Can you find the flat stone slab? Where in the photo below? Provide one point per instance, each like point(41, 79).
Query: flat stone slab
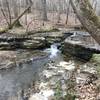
point(50, 34)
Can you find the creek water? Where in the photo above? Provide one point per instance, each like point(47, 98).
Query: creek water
point(20, 77)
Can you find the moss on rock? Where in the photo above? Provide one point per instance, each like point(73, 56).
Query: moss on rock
point(96, 58)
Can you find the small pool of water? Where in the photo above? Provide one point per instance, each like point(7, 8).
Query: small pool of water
point(18, 78)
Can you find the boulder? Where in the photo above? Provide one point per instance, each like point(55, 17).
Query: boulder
point(81, 45)
point(75, 49)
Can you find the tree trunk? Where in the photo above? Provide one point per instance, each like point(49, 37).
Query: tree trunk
point(44, 10)
point(68, 8)
point(29, 2)
point(15, 10)
point(87, 17)
point(59, 11)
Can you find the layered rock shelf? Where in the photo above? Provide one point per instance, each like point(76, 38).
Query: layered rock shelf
point(81, 45)
point(24, 41)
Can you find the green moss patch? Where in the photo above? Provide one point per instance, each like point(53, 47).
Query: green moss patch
point(96, 58)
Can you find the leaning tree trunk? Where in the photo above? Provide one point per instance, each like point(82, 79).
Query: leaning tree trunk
point(87, 17)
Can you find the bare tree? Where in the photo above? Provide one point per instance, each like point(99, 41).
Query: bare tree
point(44, 10)
point(28, 2)
point(9, 11)
point(59, 11)
point(67, 12)
point(16, 12)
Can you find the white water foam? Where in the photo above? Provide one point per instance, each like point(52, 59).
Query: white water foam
point(53, 50)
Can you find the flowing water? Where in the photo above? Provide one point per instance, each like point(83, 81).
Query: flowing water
point(53, 50)
point(20, 77)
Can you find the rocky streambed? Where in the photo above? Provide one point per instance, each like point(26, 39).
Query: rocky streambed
point(47, 74)
point(52, 76)
point(67, 80)
point(18, 71)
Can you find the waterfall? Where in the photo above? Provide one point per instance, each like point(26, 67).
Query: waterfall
point(53, 50)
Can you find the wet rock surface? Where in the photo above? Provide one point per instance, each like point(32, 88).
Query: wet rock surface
point(11, 59)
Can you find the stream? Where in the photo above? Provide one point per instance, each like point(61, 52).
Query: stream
point(12, 81)
point(20, 77)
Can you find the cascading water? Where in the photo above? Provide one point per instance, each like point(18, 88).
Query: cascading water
point(53, 50)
